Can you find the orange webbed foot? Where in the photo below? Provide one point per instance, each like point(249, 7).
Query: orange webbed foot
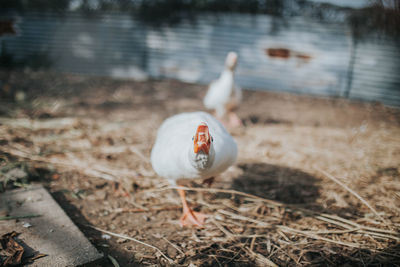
point(192, 218)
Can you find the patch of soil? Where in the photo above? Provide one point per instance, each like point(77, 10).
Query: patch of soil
point(77, 133)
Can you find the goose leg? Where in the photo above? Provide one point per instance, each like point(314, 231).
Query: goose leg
point(209, 181)
point(234, 120)
point(189, 216)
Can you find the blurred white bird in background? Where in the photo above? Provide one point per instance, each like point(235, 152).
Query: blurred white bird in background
point(189, 146)
point(223, 95)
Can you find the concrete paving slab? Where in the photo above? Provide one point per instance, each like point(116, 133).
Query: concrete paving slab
point(53, 233)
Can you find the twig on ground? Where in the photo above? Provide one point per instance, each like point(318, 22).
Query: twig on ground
point(294, 231)
point(136, 151)
point(216, 259)
point(174, 246)
point(215, 190)
point(253, 240)
point(333, 219)
point(130, 210)
point(222, 229)
point(260, 259)
point(16, 217)
point(353, 193)
point(113, 260)
point(132, 239)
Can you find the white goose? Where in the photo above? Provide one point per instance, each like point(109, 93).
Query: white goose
point(192, 145)
point(223, 95)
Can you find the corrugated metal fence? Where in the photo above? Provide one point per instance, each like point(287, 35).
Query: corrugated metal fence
point(298, 55)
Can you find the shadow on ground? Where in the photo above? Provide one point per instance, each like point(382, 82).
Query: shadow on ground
point(284, 184)
point(106, 246)
point(258, 119)
point(294, 186)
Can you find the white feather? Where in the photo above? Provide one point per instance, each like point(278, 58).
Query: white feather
point(170, 156)
point(223, 92)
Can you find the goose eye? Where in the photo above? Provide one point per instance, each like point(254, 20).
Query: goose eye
point(192, 138)
point(212, 139)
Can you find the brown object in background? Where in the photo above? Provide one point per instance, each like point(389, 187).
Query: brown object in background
point(278, 52)
point(7, 27)
point(285, 53)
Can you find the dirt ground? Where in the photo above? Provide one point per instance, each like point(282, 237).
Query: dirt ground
point(317, 180)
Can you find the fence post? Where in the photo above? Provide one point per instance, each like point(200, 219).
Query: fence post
point(353, 52)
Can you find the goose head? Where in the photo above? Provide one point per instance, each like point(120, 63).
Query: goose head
point(231, 61)
point(201, 152)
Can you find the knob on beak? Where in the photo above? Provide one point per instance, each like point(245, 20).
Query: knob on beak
point(202, 140)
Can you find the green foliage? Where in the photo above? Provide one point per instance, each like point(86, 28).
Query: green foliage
point(26, 5)
point(153, 8)
point(375, 18)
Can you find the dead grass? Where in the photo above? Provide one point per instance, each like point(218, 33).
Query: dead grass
point(316, 182)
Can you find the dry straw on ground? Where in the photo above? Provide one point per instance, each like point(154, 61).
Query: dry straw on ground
point(316, 182)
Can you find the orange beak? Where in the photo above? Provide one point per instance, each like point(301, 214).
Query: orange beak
point(202, 139)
